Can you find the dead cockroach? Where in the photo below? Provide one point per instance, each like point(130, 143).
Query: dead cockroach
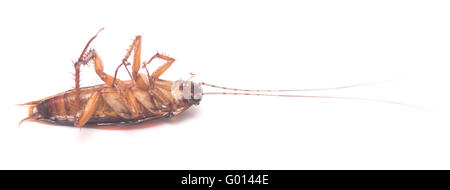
point(145, 97)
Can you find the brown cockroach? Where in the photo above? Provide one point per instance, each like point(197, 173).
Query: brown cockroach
point(145, 97)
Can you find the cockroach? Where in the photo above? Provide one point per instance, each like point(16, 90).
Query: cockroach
point(145, 97)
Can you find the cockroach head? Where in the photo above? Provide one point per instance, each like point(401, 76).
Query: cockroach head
point(187, 90)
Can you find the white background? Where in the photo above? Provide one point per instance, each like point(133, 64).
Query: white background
point(242, 44)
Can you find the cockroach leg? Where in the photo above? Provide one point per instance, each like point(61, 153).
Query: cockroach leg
point(150, 81)
point(160, 70)
point(136, 58)
point(136, 47)
point(81, 60)
point(98, 65)
point(117, 69)
point(88, 110)
point(163, 67)
point(109, 80)
point(139, 81)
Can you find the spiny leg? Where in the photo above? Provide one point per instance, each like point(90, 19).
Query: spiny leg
point(160, 70)
point(131, 103)
point(109, 80)
point(92, 104)
point(82, 60)
point(136, 58)
point(136, 47)
point(117, 70)
point(138, 79)
point(163, 67)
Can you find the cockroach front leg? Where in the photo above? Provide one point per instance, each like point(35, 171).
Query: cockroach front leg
point(160, 70)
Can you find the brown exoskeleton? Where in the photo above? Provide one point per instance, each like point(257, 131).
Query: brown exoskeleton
point(144, 97)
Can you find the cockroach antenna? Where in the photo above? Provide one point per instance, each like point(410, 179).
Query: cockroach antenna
point(297, 90)
point(245, 92)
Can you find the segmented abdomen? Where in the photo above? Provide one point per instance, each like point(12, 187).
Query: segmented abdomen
point(61, 108)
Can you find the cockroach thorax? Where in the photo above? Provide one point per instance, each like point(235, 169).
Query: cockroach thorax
point(187, 90)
